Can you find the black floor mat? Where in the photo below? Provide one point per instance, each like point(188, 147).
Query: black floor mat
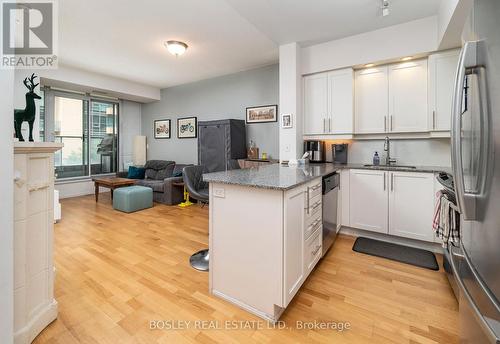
point(403, 254)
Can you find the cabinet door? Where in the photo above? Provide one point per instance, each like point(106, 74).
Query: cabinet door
point(368, 203)
point(315, 103)
point(442, 70)
point(340, 101)
point(408, 97)
point(293, 242)
point(344, 198)
point(371, 100)
point(411, 205)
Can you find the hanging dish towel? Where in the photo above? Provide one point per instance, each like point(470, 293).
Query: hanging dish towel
point(446, 221)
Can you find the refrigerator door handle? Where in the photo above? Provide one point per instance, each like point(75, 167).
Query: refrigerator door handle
point(467, 60)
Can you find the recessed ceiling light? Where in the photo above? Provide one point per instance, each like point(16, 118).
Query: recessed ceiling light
point(176, 47)
point(368, 65)
point(407, 58)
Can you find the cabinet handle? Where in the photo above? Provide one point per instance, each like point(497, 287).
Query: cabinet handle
point(392, 181)
point(316, 250)
point(316, 187)
point(307, 200)
point(384, 181)
point(324, 125)
point(390, 117)
point(433, 119)
point(330, 125)
point(317, 204)
point(385, 123)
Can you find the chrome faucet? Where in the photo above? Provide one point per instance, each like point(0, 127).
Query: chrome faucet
point(387, 148)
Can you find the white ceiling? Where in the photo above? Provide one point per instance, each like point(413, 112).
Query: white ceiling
point(315, 21)
point(125, 38)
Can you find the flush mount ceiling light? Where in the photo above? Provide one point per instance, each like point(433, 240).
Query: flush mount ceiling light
point(407, 58)
point(385, 8)
point(176, 47)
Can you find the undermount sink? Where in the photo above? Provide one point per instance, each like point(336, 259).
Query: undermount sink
point(396, 167)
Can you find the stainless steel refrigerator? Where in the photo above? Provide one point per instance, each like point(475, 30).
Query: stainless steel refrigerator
point(476, 169)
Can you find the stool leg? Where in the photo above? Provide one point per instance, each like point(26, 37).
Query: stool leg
point(199, 260)
point(186, 202)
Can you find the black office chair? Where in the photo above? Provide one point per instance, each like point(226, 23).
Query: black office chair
point(197, 189)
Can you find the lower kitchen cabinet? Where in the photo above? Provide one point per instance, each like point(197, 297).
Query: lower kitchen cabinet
point(411, 205)
point(302, 235)
point(295, 203)
point(368, 206)
point(391, 202)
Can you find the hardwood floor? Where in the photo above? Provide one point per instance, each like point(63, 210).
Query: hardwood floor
point(117, 272)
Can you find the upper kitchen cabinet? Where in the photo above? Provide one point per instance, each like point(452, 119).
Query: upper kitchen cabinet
point(341, 101)
point(315, 103)
point(328, 103)
point(442, 70)
point(371, 100)
point(408, 97)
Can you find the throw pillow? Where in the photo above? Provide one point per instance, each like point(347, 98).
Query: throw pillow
point(136, 172)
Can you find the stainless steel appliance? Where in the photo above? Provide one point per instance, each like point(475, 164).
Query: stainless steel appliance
point(316, 150)
point(330, 190)
point(476, 170)
point(339, 153)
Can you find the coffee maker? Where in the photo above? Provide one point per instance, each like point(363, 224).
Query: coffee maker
point(316, 150)
point(339, 153)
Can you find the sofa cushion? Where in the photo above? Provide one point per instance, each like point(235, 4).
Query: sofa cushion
point(136, 172)
point(156, 185)
point(159, 169)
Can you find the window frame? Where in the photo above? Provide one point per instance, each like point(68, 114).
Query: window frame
point(49, 126)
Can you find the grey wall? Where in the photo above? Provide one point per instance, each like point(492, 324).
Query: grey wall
point(218, 98)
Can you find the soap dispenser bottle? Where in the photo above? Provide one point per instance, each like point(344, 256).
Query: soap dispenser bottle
point(376, 159)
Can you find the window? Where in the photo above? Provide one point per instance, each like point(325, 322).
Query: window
point(88, 128)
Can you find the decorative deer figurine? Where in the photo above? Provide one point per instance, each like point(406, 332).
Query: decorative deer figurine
point(28, 114)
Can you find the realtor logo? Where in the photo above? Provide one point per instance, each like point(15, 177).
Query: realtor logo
point(29, 34)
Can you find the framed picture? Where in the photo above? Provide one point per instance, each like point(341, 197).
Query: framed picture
point(162, 129)
point(286, 121)
point(262, 114)
point(187, 128)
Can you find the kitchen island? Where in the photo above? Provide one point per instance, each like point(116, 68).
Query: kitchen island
point(265, 234)
point(266, 224)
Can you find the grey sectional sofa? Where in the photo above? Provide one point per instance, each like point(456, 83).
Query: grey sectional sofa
point(159, 177)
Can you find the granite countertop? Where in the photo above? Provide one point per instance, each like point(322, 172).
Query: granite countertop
point(283, 177)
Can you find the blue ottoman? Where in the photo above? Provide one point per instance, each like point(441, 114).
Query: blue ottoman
point(132, 198)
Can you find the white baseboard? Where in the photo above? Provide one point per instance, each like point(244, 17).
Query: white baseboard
point(273, 318)
point(45, 316)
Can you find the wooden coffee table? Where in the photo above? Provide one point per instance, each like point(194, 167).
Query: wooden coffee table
point(111, 183)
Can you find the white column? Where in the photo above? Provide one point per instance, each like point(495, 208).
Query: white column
point(290, 101)
point(6, 206)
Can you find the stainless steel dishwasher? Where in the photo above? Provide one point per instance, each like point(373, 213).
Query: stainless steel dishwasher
point(330, 191)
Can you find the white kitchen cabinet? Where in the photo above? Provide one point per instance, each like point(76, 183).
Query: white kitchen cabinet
point(408, 97)
point(294, 264)
point(371, 100)
point(368, 203)
point(315, 103)
point(442, 70)
point(344, 198)
point(411, 205)
point(341, 101)
point(328, 103)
